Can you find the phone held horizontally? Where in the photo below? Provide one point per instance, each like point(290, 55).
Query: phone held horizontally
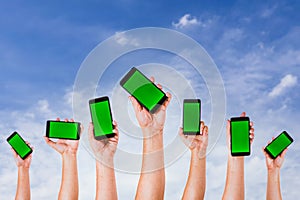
point(63, 130)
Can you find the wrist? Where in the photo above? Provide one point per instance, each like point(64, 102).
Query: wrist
point(197, 155)
point(107, 162)
point(274, 171)
point(149, 132)
point(69, 155)
point(23, 168)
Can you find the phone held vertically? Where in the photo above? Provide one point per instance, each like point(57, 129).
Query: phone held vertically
point(101, 117)
point(191, 116)
point(19, 145)
point(63, 130)
point(240, 136)
point(279, 144)
point(143, 90)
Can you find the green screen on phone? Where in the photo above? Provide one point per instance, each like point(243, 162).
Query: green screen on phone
point(279, 144)
point(19, 145)
point(63, 130)
point(143, 90)
point(240, 141)
point(191, 116)
point(101, 117)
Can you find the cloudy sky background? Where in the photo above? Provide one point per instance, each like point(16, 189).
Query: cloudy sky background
point(255, 46)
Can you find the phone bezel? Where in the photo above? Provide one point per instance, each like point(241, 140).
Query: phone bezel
point(13, 135)
point(237, 119)
point(288, 136)
point(53, 121)
point(158, 104)
point(97, 100)
point(191, 101)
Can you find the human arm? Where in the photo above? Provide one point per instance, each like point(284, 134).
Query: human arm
point(273, 183)
point(23, 185)
point(196, 183)
point(152, 179)
point(235, 184)
point(68, 151)
point(104, 150)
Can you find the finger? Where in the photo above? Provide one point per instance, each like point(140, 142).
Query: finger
point(201, 127)
point(251, 124)
point(228, 128)
point(71, 120)
point(66, 120)
point(136, 106)
point(168, 99)
point(50, 142)
point(205, 131)
point(243, 114)
point(152, 79)
point(251, 136)
point(81, 129)
point(159, 86)
point(57, 119)
point(91, 130)
point(115, 124)
point(252, 130)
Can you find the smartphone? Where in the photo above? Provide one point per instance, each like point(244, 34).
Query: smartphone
point(240, 132)
point(143, 90)
point(279, 144)
point(19, 145)
point(191, 116)
point(101, 118)
point(63, 130)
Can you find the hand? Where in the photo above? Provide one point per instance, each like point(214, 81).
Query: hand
point(154, 122)
point(273, 164)
point(105, 148)
point(64, 146)
point(196, 143)
point(228, 131)
point(20, 162)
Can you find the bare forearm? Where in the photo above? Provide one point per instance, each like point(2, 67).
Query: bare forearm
point(152, 180)
point(196, 183)
point(273, 185)
point(105, 181)
point(234, 188)
point(23, 187)
point(69, 183)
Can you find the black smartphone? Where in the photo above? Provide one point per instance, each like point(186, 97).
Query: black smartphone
point(240, 136)
point(101, 118)
point(279, 144)
point(19, 145)
point(63, 130)
point(191, 116)
point(143, 90)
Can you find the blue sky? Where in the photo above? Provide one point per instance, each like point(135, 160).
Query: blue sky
point(255, 45)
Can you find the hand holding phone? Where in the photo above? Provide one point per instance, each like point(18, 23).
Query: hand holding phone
point(19, 146)
point(143, 90)
point(101, 118)
point(278, 145)
point(240, 136)
point(150, 123)
point(191, 116)
point(64, 144)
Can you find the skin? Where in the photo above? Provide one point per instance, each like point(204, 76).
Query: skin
point(104, 151)
point(152, 179)
point(68, 151)
point(235, 182)
point(273, 167)
point(23, 186)
point(195, 187)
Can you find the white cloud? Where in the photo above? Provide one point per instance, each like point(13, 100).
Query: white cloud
point(123, 39)
point(185, 21)
point(286, 82)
